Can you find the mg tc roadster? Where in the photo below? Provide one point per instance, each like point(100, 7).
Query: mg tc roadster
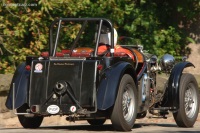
point(91, 74)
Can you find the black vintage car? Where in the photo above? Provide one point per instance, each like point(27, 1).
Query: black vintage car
point(87, 75)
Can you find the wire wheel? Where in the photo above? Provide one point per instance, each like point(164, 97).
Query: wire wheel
point(190, 100)
point(188, 110)
point(125, 108)
point(128, 103)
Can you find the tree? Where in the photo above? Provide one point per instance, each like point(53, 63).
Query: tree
point(152, 23)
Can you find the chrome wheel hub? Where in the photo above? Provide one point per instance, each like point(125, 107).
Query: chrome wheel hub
point(190, 101)
point(128, 103)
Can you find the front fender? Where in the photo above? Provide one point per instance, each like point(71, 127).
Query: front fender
point(172, 92)
point(21, 80)
point(108, 88)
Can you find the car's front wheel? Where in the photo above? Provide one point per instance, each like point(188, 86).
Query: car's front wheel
point(125, 108)
point(28, 122)
point(189, 101)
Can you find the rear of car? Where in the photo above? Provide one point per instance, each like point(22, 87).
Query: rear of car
point(63, 86)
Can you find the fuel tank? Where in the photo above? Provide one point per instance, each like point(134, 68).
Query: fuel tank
point(52, 80)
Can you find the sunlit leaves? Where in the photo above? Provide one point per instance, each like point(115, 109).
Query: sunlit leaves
point(24, 30)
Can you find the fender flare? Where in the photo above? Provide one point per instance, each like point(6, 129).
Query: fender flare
point(108, 87)
point(21, 80)
point(172, 92)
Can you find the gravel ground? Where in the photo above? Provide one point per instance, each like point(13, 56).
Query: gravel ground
point(9, 120)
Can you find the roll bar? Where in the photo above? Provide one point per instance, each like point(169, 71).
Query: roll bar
point(53, 46)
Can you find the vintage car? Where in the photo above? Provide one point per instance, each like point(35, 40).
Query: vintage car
point(87, 75)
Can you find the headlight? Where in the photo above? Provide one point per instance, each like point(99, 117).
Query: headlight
point(167, 62)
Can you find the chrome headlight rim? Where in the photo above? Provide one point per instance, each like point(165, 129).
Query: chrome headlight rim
point(167, 62)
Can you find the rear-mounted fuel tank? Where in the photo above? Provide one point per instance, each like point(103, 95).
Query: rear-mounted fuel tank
point(51, 79)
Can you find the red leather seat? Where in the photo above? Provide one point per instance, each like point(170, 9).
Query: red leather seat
point(118, 51)
point(77, 52)
point(46, 54)
point(82, 52)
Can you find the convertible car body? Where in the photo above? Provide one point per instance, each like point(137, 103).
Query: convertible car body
point(86, 75)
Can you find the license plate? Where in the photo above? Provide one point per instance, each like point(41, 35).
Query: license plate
point(53, 109)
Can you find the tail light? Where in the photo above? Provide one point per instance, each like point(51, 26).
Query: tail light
point(99, 67)
point(35, 108)
point(28, 67)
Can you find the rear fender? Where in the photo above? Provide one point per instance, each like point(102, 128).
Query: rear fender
point(171, 98)
point(21, 80)
point(108, 88)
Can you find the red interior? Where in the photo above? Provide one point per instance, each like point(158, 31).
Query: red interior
point(82, 52)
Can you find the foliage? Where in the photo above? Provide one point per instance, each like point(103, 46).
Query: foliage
point(152, 23)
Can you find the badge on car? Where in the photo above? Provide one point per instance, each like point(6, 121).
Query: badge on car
point(38, 68)
point(53, 109)
point(73, 109)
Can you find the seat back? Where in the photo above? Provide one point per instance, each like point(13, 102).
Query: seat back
point(82, 52)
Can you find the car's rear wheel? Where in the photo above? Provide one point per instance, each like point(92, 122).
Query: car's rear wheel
point(125, 108)
point(189, 101)
point(96, 121)
point(28, 122)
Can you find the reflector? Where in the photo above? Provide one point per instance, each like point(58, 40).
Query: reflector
point(99, 67)
point(28, 67)
point(33, 109)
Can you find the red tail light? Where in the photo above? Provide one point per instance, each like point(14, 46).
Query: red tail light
point(28, 67)
point(99, 67)
point(33, 109)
